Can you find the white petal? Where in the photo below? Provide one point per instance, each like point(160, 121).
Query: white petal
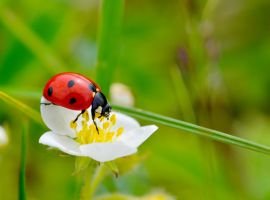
point(136, 137)
point(58, 118)
point(125, 121)
point(104, 152)
point(64, 143)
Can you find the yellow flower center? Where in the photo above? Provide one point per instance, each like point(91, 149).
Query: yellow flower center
point(89, 134)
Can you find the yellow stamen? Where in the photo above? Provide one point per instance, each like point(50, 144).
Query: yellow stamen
point(84, 123)
point(101, 119)
point(109, 136)
point(97, 115)
point(73, 124)
point(119, 131)
point(88, 133)
point(113, 119)
point(106, 125)
point(85, 115)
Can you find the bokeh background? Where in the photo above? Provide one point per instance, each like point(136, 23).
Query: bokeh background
point(206, 62)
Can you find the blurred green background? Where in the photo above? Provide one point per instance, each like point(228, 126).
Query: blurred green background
point(206, 62)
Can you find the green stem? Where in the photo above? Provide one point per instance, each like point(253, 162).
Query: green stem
point(109, 32)
point(85, 190)
point(22, 193)
point(97, 178)
point(195, 129)
point(30, 40)
point(90, 187)
point(21, 106)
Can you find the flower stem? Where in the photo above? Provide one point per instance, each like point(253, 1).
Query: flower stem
point(89, 188)
point(85, 191)
point(195, 129)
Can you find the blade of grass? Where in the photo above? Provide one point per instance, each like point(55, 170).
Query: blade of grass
point(184, 99)
point(14, 24)
point(22, 191)
point(108, 49)
point(21, 93)
point(167, 121)
point(22, 107)
point(195, 129)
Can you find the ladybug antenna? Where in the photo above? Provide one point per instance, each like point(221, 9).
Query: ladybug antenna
point(46, 104)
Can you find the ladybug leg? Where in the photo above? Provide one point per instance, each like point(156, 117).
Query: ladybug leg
point(76, 119)
point(96, 126)
point(93, 118)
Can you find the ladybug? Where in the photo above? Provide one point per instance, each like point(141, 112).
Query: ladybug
point(76, 92)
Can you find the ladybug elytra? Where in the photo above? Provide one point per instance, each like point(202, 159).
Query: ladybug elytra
point(76, 92)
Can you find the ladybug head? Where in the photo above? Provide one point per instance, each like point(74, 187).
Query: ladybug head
point(100, 105)
point(106, 110)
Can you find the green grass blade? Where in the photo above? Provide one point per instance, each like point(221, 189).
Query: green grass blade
point(167, 121)
point(14, 24)
point(195, 129)
point(183, 96)
point(22, 191)
point(22, 107)
point(108, 49)
point(21, 93)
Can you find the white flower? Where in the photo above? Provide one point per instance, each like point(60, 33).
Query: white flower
point(121, 94)
point(118, 136)
point(3, 136)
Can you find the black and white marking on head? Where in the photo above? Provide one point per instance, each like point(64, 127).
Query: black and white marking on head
point(92, 87)
point(70, 83)
point(72, 100)
point(50, 91)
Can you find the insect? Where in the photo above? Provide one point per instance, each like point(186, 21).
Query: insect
point(76, 92)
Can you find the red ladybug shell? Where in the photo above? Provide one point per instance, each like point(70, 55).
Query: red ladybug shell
point(71, 90)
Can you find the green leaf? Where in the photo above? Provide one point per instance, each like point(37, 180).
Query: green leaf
point(128, 163)
point(113, 167)
point(194, 129)
point(81, 163)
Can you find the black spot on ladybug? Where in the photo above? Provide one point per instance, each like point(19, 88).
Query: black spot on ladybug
point(50, 91)
point(70, 83)
point(72, 100)
point(92, 87)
